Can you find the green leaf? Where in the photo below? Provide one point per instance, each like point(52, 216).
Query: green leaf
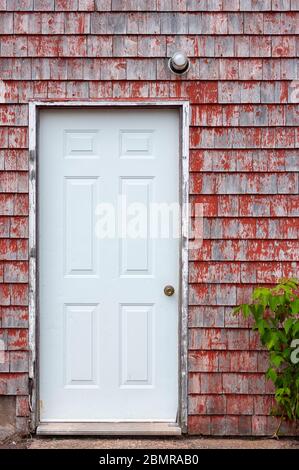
point(274, 301)
point(276, 359)
point(286, 353)
point(261, 293)
point(261, 326)
point(273, 339)
point(271, 374)
point(257, 311)
point(296, 327)
point(279, 392)
point(295, 306)
point(288, 325)
point(237, 310)
point(246, 310)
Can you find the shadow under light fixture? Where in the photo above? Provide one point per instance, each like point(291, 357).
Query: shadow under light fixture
point(179, 63)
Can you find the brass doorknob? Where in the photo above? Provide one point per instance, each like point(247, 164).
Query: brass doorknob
point(169, 291)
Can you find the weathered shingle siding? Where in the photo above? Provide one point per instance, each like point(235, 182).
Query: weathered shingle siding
point(243, 165)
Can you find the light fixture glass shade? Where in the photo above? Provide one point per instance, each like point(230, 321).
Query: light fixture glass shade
point(179, 63)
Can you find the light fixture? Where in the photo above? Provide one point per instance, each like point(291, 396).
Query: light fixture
point(179, 63)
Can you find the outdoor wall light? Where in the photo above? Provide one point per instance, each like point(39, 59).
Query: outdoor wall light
point(179, 63)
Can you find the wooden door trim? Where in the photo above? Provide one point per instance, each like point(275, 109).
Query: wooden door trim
point(34, 107)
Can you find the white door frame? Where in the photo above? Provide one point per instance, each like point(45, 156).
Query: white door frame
point(34, 107)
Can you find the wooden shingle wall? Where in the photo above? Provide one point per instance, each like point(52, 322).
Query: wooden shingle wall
point(243, 165)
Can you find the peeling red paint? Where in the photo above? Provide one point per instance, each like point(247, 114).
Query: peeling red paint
point(17, 339)
point(243, 166)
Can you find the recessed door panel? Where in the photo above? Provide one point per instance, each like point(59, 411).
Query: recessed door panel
point(136, 243)
point(79, 219)
point(136, 326)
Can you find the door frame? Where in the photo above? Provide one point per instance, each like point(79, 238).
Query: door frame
point(34, 108)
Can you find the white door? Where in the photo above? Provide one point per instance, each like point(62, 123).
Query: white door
point(108, 332)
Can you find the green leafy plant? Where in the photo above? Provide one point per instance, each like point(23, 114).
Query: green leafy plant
point(275, 316)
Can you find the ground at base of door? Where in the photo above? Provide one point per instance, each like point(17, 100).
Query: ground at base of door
point(16, 442)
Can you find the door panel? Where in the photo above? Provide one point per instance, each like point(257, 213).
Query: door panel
point(80, 237)
point(108, 334)
point(81, 328)
point(136, 334)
